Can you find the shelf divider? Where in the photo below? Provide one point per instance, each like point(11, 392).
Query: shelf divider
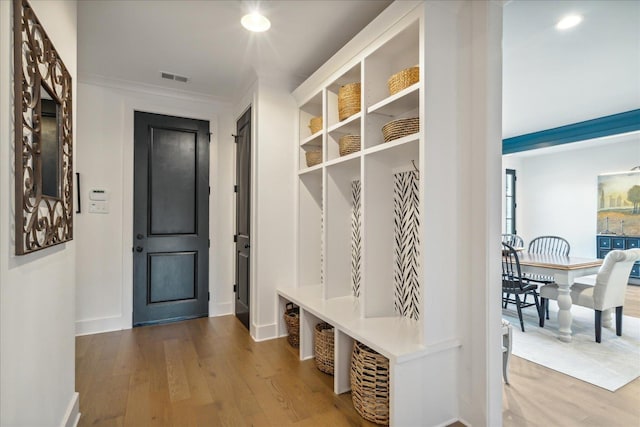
point(405, 100)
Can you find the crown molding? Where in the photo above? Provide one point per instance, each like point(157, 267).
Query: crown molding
point(148, 89)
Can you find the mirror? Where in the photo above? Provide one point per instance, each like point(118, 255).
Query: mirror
point(43, 137)
point(49, 145)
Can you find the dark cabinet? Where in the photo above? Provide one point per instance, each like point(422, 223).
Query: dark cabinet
point(605, 243)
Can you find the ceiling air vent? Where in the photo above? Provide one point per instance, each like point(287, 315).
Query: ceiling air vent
point(171, 76)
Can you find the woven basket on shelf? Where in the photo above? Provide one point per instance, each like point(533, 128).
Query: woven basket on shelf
point(324, 347)
point(313, 157)
point(349, 144)
point(292, 320)
point(315, 124)
point(399, 128)
point(348, 100)
point(403, 79)
point(370, 384)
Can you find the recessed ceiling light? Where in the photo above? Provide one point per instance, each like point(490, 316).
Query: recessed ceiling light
point(255, 22)
point(568, 21)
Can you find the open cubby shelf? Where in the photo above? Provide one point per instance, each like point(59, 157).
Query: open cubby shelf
point(394, 337)
point(349, 206)
point(359, 237)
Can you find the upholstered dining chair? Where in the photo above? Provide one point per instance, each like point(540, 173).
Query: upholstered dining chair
point(514, 284)
point(602, 291)
point(550, 245)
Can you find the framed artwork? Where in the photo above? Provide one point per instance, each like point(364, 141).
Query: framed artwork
point(619, 203)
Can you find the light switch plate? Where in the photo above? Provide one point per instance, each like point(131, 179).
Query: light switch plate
point(98, 207)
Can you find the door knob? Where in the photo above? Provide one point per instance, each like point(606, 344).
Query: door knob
point(246, 246)
point(139, 236)
point(138, 248)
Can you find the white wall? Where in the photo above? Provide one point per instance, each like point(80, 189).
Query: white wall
point(105, 160)
point(37, 291)
point(477, 308)
point(557, 190)
point(274, 115)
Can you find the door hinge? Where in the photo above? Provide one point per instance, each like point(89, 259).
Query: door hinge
point(209, 242)
point(235, 238)
point(208, 296)
point(209, 135)
point(235, 188)
point(235, 288)
point(209, 190)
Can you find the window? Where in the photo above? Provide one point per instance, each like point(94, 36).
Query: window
point(510, 202)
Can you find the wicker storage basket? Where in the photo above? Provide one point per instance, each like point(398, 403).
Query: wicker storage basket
point(313, 157)
point(399, 128)
point(324, 347)
point(348, 100)
point(349, 144)
point(403, 79)
point(292, 320)
point(370, 384)
point(315, 124)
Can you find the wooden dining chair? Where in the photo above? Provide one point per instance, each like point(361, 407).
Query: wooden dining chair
point(514, 284)
point(550, 245)
point(602, 291)
point(513, 240)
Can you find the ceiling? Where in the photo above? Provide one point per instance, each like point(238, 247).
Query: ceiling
point(549, 78)
point(553, 78)
point(135, 40)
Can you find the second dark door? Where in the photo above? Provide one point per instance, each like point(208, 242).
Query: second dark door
point(243, 215)
point(171, 218)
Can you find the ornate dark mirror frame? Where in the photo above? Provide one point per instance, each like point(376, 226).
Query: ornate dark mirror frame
point(41, 220)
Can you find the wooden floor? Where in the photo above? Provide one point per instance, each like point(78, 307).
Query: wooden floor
point(208, 372)
point(632, 301)
point(203, 372)
point(539, 396)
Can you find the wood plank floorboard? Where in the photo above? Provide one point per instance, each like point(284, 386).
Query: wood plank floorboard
point(539, 396)
point(632, 301)
point(209, 372)
point(202, 372)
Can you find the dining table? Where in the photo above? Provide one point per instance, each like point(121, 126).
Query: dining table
point(564, 269)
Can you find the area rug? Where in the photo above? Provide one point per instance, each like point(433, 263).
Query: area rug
point(609, 365)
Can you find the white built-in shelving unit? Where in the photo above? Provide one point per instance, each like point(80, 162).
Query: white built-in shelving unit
point(324, 290)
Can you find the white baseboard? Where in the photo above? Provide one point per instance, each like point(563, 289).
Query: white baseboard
point(264, 332)
point(220, 308)
point(95, 326)
point(72, 415)
point(115, 323)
